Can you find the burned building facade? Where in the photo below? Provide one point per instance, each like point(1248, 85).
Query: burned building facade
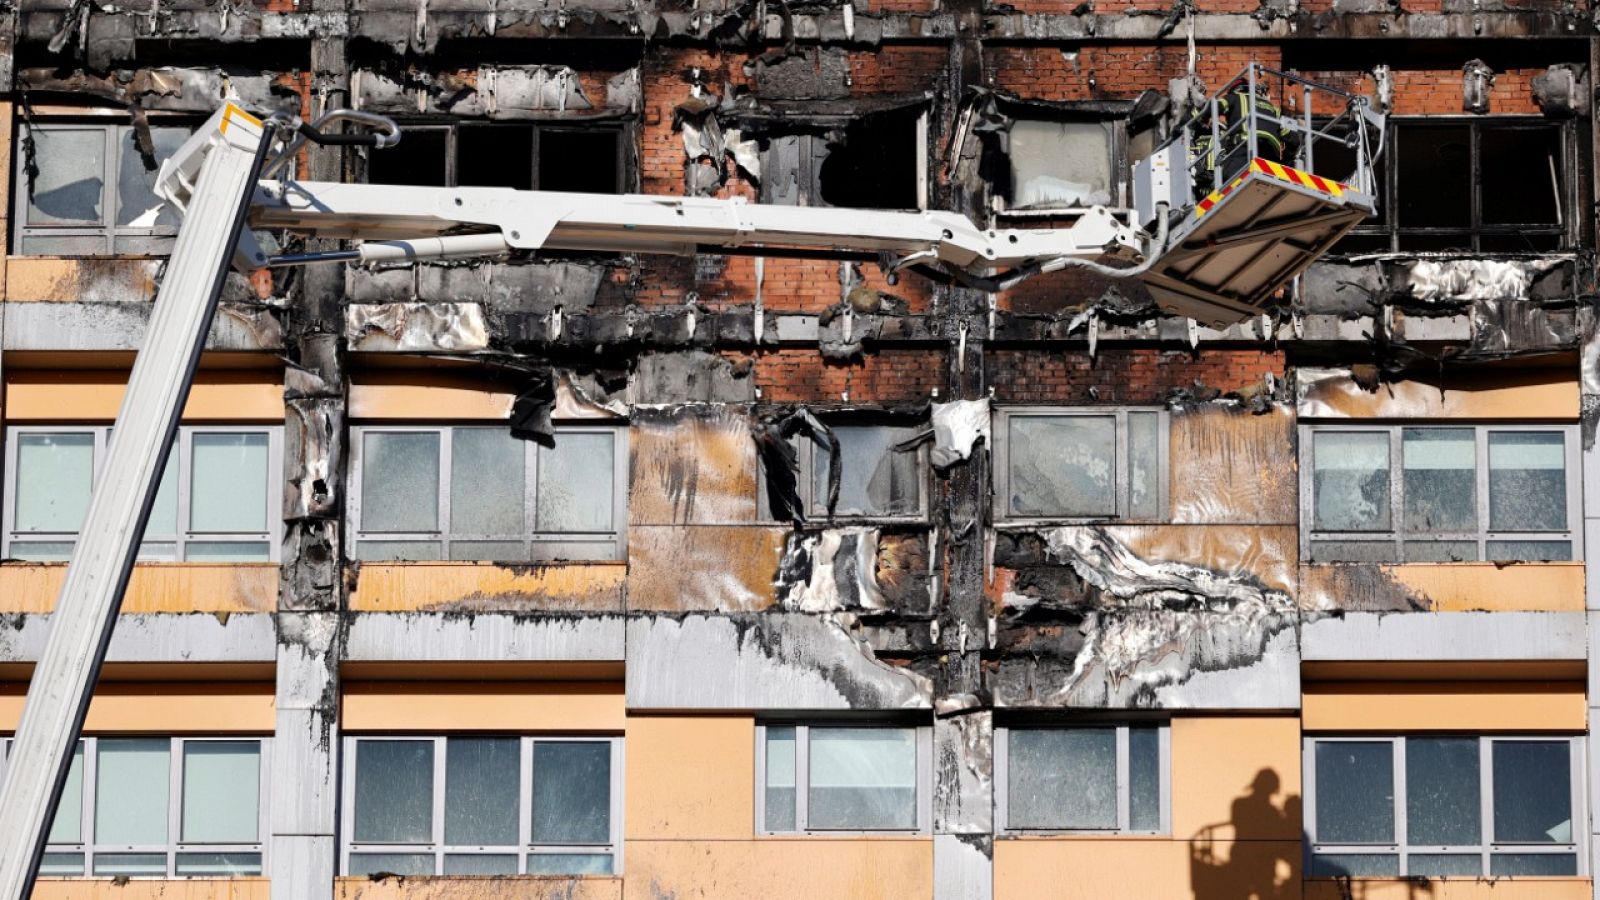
point(603, 575)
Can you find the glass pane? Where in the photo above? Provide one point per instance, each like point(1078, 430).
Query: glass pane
point(1440, 469)
point(1063, 778)
point(1354, 865)
point(219, 864)
point(1550, 865)
point(875, 479)
point(1355, 792)
point(780, 787)
point(227, 551)
point(61, 864)
point(1444, 865)
point(391, 864)
point(1353, 551)
point(1533, 792)
point(1144, 779)
point(1063, 465)
point(569, 864)
point(55, 475)
point(131, 793)
point(163, 551)
point(481, 863)
point(228, 484)
point(137, 203)
point(571, 792)
point(1435, 165)
point(1527, 481)
point(67, 827)
point(1528, 551)
point(394, 792)
point(1441, 551)
point(130, 864)
point(1532, 199)
point(863, 778)
point(379, 551)
point(1059, 165)
point(575, 482)
point(493, 551)
point(41, 551)
point(1144, 464)
point(1442, 799)
point(483, 778)
point(70, 185)
point(488, 486)
point(221, 791)
point(400, 481)
point(163, 521)
point(1350, 481)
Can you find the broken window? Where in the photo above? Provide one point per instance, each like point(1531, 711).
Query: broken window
point(1482, 185)
point(882, 473)
point(528, 156)
point(478, 493)
point(872, 161)
point(91, 190)
point(160, 807)
point(1443, 807)
point(817, 777)
point(1089, 463)
point(217, 500)
point(1062, 164)
point(482, 805)
point(1109, 778)
point(1439, 493)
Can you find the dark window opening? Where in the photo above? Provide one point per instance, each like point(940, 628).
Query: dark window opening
point(1466, 186)
point(519, 155)
point(875, 161)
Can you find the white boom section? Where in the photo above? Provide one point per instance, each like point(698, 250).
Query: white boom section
point(400, 223)
point(233, 146)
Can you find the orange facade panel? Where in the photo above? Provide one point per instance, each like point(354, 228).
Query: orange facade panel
point(68, 395)
point(809, 867)
point(154, 587)
point(691, 778)
point(1510, 395)
point(1446, 587)
point(1144, 869)
point(164, 707)
point(501, 706)
point(500, 888)
point(152, 889)
point(1451, 889)
point(480, 587)
point(1423, 706)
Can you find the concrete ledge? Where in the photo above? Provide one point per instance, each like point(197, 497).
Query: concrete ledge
point(1444, 636)
point(121, 326)
point(158, 637)
point(377, 637)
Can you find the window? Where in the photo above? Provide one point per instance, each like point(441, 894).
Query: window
point(1091, 463)
point(1490, 185)
point(161, 807)
point(478, 493)
point(1444, 807)
point(93, 191)
point(483, 806)
point(1104, 778)
point(879, 476)
point(217, 501)
point(1062, 163)
point(527, 156)
point(1439, 493)
point(822, 777)
point(872, 161)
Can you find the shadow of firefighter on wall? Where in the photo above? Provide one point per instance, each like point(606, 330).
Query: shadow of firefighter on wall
point(1264, 864)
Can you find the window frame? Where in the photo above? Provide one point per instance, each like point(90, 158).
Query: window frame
point(923, 735)
point(1123, 475)
point(1487, 846)
point(182, 450)
point(525, 848)
point(1395, 536)
point(1002, 777)
point(451, 127)
point(117, 240)
point(1390, 184)
point(807, 453)
point(616, 540)
point(1121, 167)
point(175, 788)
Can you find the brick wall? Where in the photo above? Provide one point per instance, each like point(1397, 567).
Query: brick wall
point(1122, 375)
point(1119, 72)
point(801, 375)
point(1438, 92)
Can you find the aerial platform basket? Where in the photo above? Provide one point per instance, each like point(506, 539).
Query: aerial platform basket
point(1254, 223)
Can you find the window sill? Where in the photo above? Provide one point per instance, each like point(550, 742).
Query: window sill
point(847, 836)
point(1082, 836)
